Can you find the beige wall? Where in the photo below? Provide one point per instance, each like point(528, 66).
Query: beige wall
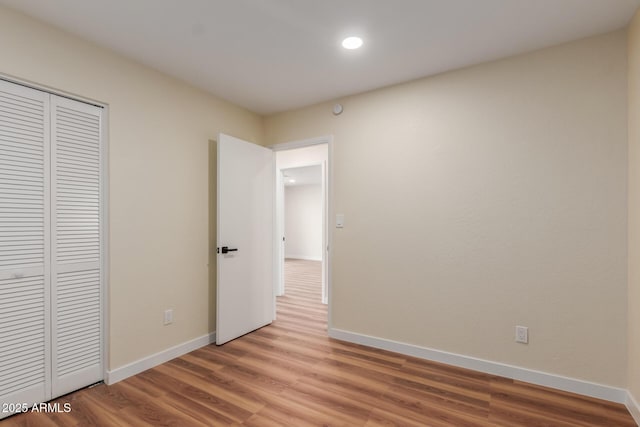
point(485, 198)
point(303, 220)
point(634, 207)
point(158, 140)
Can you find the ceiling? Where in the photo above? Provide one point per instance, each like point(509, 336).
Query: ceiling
point(305, 175)
point(274, 55)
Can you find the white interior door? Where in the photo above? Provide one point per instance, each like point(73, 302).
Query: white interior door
point(245, 293)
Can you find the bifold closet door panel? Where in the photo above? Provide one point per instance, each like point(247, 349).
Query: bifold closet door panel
point(24, 246)
point(50, 245)
point(76, 280)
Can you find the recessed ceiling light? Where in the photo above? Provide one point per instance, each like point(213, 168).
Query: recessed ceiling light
point(291, 181)
point(352, 42)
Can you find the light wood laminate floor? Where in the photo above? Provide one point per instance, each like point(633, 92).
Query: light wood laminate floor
point(292, 374)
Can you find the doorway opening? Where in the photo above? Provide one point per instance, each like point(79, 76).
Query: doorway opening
point(302, 238)
point(303, 227)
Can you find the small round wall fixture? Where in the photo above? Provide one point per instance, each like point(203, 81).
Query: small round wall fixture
point(337, 109)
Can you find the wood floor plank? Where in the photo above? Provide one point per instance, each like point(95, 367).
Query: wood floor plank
point(348, 384)
point(194, 402)
point(258, 420)
point(355, 410)
point(384, 418)
point(528, 404)
point(222, 397)
point(104, 413)
point(292, 374)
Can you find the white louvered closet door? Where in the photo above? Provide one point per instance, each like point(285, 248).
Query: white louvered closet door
point(25, 374)
point(51, 247)
point(76, 245)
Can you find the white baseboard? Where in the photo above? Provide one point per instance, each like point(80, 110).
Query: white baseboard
point(612, 394)
point(304, 257)
point(159, 358)
point(633, 407)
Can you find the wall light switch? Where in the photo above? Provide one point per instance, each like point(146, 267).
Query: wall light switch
point(339, 220)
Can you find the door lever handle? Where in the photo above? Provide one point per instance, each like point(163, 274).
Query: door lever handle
point(226, 249)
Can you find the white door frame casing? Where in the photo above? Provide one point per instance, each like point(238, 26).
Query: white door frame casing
point(327, 183)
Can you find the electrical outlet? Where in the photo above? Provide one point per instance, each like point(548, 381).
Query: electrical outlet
point(168, 316)
point(522, 334)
